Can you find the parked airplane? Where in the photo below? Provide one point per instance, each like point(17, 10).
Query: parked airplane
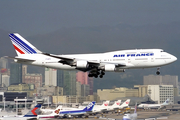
point(125, 104)
point(131, 116)
point(61, 112)
point(115, 106)
point(32, 114)
point(146, 106)
point(97, 64)
point(100, 108)
point(77, 112)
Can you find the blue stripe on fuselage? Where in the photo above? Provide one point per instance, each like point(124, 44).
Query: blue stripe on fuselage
point(72, 112)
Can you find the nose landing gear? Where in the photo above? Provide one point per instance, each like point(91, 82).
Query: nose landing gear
point(158, 71)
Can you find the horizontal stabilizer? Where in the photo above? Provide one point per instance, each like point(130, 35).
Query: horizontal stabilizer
point(20, 59)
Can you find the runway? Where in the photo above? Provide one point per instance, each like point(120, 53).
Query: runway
point(142, 115)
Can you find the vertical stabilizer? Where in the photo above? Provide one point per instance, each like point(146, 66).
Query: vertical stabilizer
point(126, 103)
point(106, 103)
point(89, 107)
point(21, 45)
point(33, 112)
point(167, 102)
point(117, 103)
point(135, 109)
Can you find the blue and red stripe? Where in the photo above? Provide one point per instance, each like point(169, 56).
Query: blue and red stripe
point(22, 44)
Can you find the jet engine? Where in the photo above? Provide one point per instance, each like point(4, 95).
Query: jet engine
point(112, 67)
point(82, 64)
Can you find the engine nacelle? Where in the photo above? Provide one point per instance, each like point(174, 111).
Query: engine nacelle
point(82, 64)
point(109, 67)
point(112, 67)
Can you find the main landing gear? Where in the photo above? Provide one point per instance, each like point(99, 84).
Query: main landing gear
point(96, 73)
point(158, 71)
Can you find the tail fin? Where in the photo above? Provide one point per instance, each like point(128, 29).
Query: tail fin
point(126, 103)
point(33, 112)
point(135, 109)
point(21, 45)
point(90, 106)
point(106, 103)
point(57, 110)
point(167, 102)
point(117, 103)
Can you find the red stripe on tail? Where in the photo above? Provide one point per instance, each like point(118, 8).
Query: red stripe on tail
point(33, 111)
point(20, 51)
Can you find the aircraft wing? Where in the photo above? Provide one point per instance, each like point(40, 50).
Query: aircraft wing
point(21, 59)
point(59, 57)
point(67, 60)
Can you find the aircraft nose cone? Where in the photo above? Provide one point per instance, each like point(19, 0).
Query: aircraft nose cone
point(174, 58)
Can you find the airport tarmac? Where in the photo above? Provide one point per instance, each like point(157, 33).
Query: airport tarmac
point(142, 115)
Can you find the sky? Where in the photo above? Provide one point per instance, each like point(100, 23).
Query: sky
point(87, 26)
point(44, 16)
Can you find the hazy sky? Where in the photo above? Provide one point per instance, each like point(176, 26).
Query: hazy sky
point(30, 17)
point(84, 26)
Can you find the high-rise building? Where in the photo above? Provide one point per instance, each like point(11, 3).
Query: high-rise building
point(162, 80)
point(3, 63)
point(69, 87)
point(5, 80)
point(84, 90)
point(161, 93)
point(90, 83)
point(60, 78)
point(24, 72)
point(0, 79)
point(15, 73)
point(78, 88)
point(83, 78)
point(35, 79)
point(50, 77)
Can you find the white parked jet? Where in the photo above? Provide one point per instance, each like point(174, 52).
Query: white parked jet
point(31, 115)
point(97, 64)
point(125, 104)
point(146, 106)
point(115, 106)
point(64, 112)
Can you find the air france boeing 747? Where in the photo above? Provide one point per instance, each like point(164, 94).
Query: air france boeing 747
point(97, 64)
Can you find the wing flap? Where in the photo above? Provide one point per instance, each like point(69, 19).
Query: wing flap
point(59, 57)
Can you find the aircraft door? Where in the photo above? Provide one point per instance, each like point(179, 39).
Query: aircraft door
point(152, 59)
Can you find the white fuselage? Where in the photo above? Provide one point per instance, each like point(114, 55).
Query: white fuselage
point(140, 58)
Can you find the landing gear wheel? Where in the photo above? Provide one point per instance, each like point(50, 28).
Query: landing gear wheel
point(90, 75)
point(101, 76)
point(95, 76)
point(102, 73)
point(157, 72)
